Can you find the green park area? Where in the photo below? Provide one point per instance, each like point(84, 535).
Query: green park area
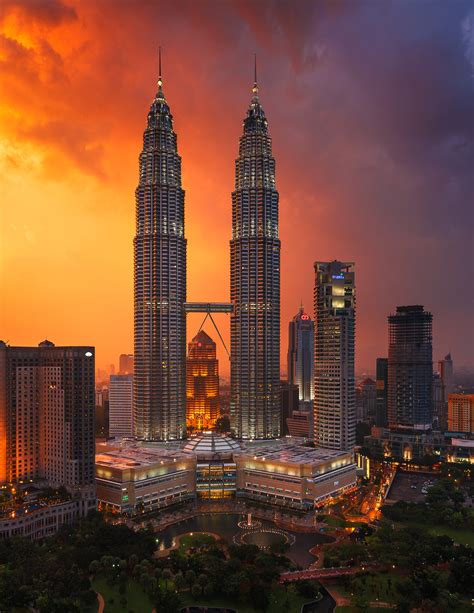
point(130, 597)
point(196, 541)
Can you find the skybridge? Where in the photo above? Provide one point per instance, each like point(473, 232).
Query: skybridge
point(208, 308)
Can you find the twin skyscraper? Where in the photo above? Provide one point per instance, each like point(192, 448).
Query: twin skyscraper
point(160, 283)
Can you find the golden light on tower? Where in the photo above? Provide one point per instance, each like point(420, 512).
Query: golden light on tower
point(202, 384)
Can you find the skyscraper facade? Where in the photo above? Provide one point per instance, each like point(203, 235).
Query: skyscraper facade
point(301, 356)
point(445, 386)
point(121, 406)
point(334, 349)
point(202, 383)
point(461, 413)
point(47, 417)
point(255, 283)
point(160, 283)
point(381, 375)
point(366, 400)
point(410, 368)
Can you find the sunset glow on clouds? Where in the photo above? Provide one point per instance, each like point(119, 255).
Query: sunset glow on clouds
point(370, 110)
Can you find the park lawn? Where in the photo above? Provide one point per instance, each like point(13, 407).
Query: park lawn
point(214, 601)
point(459, 536)
point(137, 600)
point(280, 602)
point(381, 586)
point(462, 537)
point(195, 540)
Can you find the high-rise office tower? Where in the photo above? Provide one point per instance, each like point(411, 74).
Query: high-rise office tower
point(381, 409)
point(446, 371)
point(440, 407)
point(366, 401)
point(202, 383)
point(289, 402)
point(47, 417)
point(461, 413)
point(410, 368)
point(255, 283)
point(126, 364)
point(334, 339)
point(121, 406)
point(443, 390)
point(160, 283)
point(301, 356)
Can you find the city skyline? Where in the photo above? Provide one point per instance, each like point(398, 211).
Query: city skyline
point(309, 87)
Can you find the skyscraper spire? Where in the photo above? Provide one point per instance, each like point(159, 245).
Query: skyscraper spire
point(160, 94)
point(160, 80)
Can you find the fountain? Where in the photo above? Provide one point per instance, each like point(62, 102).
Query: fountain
point(250, 523)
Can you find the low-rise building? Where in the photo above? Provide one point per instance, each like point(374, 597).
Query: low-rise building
point(293, 475)
point(133, 479)
point(411, 445)
point(38, 522)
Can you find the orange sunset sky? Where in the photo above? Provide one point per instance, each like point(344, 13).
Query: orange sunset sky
point(372, 164)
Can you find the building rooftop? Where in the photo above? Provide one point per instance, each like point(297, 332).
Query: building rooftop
point(134, 456)
point(210, 443)
point(295, 454)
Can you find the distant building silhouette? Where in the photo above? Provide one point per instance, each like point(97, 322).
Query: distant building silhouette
point(126, 364)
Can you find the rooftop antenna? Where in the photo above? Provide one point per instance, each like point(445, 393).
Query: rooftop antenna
point(160, 80)
point(255, 86)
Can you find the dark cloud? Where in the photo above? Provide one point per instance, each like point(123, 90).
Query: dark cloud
point(370, 109)
point(47, 12)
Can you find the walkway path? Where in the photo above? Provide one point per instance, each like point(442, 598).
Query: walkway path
point(320, 573)
point(101, 600)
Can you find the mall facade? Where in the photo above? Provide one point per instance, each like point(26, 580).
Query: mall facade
point(133, 478)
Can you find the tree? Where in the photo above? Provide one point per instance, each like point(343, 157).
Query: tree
point(167, 575)
point(196, 590)
point(208, 589)
point(190, 577)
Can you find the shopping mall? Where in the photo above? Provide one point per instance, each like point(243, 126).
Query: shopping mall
point(133, 478)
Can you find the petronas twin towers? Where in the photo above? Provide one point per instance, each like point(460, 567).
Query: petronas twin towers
point(160, 283)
